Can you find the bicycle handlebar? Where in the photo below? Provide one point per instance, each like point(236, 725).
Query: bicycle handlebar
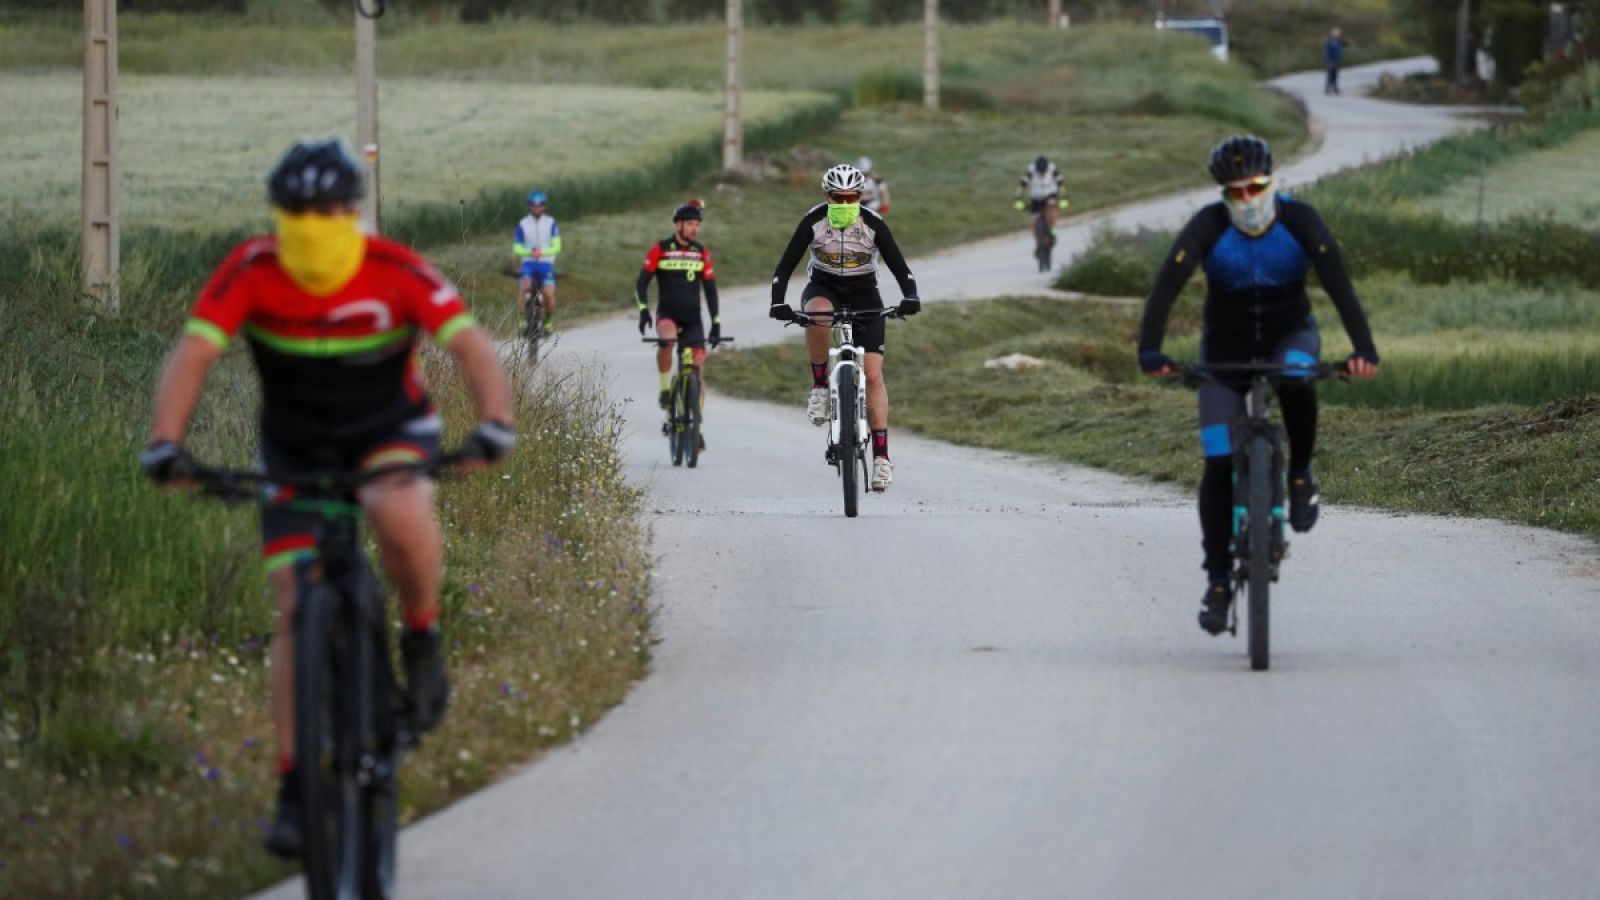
point(1194, 374)
point(239, 485)
point(802, 317)
point(662, 342)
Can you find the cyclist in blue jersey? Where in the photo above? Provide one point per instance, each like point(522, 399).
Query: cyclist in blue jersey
point(537, 244)
point(1256, 246)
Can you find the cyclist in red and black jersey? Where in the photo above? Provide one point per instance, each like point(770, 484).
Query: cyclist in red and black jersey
point(680, 265)
point(332, 318)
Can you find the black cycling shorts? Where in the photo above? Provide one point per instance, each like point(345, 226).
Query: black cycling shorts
point(691, 327)
point(1039, 204)
point(288, 535)
point(869, 335)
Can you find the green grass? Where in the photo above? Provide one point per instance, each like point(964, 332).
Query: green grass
point(445, 142)
point(1526, 462)
point(1557, 181)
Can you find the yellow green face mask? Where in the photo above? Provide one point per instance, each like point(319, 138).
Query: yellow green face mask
point(320, 252)
point(843, 215)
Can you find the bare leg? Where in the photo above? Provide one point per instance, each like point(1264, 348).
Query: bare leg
point(877, 393)
point(411, 546)
point(280, 680)
point(818, 336)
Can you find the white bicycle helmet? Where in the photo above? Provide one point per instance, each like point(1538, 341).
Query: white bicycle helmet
point(864, 164)
point(843, 178)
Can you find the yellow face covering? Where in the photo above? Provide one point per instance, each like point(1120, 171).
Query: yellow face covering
point(320, 252)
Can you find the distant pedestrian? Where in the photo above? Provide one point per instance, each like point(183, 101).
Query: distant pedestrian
point(1332, 57)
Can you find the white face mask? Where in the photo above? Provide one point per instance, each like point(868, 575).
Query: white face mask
point(1256, 215)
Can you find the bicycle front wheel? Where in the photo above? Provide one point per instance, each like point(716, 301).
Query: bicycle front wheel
point(845, 452)
point(690, 435)
point(675, 422)
point(533, 327)
point(1258, 565)
point(318, 747)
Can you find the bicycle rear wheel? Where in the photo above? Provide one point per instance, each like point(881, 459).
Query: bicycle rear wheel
point(845, 452)
point(320, 747)
point(690, 435)
point(1258, 564)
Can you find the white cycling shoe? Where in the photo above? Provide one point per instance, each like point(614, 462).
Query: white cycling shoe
point(817, 406)
point(882, 474)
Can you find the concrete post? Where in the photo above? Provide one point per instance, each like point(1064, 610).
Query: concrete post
point(367, 116)
point(102, 226)
point(930, 54)
point(732, 112)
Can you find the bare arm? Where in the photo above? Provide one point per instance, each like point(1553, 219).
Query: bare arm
point(491, 394)
point(178, 391)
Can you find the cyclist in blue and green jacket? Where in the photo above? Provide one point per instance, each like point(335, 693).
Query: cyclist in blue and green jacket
point(1256, 246)
point(537, 244)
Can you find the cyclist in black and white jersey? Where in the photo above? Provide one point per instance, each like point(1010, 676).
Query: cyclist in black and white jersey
point(843, 242)
point(1040, 186)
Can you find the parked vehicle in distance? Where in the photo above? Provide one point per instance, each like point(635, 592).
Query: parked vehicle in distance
point(1214, 30)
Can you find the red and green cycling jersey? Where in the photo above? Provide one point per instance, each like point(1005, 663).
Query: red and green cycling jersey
point(339, 368)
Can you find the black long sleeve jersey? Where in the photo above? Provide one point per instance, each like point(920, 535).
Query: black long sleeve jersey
point(1255, 287)
point(844, 258)
point(680, 269)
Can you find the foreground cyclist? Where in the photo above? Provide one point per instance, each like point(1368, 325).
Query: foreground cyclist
point(332, 320)
point(844, 241)
point(1256, 246)
point(537, 243)
point(680, 264)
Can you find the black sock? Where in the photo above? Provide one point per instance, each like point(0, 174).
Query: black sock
point(880, 444)
point(819, 375)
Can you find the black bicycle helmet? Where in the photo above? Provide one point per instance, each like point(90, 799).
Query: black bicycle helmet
point(316, 173)
point(1041, 164)
point(1240, 156)
point(690, 210)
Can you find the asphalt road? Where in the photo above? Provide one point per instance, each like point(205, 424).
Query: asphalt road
point(991, 684)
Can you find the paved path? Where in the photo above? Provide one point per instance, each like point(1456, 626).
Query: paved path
point(990, 684)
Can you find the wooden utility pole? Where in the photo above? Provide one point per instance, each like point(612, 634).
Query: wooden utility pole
point(930, 54)
point(1463, 41)
point(1055, 14)
point(732, 113)
point(367, 113)
point(102, 227)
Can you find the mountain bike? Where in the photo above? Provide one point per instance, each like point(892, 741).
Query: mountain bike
point(847, 398)
point(684, 405)
point(533, 322)
point(1044, 239)
point(1259, 546)
point(351, 725)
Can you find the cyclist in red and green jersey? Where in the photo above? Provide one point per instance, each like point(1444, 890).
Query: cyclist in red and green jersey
point(332, 318)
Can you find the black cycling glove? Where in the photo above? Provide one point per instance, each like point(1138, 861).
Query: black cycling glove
point(910, 306)
point(1153, 361)
point(644, 319)
point(783, 312)
point(164, 462)
point(490, 442)
point(716, 333)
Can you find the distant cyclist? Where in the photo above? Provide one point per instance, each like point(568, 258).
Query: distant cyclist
point(333, 319)
point(874, 190)
point(1039, 190)
point(680, 264)
point(843, 241)
point(1256, 246)
point(537, 244)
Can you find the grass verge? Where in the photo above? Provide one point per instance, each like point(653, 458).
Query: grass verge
point(1525, 462)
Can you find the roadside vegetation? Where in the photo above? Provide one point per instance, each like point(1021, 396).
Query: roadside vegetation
point(1487, 401)
point(133, 740)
